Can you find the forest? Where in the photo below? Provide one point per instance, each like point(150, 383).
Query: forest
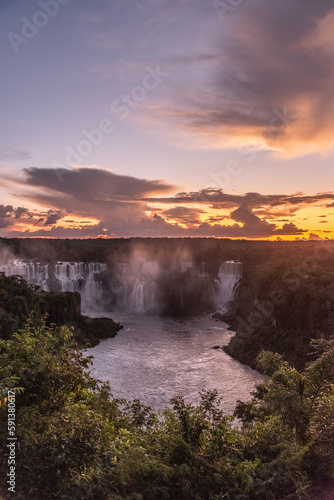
point(284, 299)
point(282, 303)
point(75, 440)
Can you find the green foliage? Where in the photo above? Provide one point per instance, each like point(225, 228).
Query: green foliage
point(76, 442)
point(283, 303)
point(20, 301)
point(17, 300)
point(302, 401)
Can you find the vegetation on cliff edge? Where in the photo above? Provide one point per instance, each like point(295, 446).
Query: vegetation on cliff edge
point(76, 442)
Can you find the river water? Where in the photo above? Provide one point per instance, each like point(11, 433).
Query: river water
point(154, 359)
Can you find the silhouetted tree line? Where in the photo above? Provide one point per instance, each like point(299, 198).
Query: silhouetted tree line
point(211, 250)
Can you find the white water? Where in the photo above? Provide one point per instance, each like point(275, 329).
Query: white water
point(132, 287)
point(33, 273)
point(228, 276)
point(136, 302)
point(154, 359)
point(139, 283)
point(62, 277)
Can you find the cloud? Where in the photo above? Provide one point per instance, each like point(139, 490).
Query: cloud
point(97, 201)
point(184, 215)
point(253, 225)
point(38, 221)
point(271, 80)
point(289, 229)
point(115, 200)
point(21, 211)
point(10, 215)
point(217, 198)
point(5, 215)
point(53, 218)
point(14, 153)
point(314, 237)
point(93, 183)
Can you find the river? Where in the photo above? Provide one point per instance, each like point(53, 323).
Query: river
point(154, 359)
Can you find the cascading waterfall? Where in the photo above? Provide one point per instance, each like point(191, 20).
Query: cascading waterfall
point(139, 286)
point(33, 273)
point(229, 274)
point(136, 299)
point(132, 285)
point(140, 282)
point(62, 277)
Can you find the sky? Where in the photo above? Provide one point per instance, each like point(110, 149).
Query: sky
point(177, 118)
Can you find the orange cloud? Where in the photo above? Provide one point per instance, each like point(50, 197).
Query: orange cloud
point(271, 83)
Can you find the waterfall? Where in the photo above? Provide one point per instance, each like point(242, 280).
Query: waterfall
point(136, 299)
point(139, 291)
point(122, 268)
point(229, 274)
point(33, 273)
point(62, 277)
point(132, 285)
point(203, 269)
point(91, 293)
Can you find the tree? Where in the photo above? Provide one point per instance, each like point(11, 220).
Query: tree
point(303, 401)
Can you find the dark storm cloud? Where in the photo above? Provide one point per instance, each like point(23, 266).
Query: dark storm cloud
point(242, 214)
point(273, 80)
point(9, 214)
point(5, 215)
point(314, 237)
point(21, 211)
point(254, 225)
point(289, 229)
point(93, 183)
point(53, 218)
point(114, 200)
point(184, 215)
point(91, 192)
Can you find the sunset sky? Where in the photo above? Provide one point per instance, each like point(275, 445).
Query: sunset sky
point(128, 118)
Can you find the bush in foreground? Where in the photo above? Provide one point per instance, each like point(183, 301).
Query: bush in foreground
point(76, 442)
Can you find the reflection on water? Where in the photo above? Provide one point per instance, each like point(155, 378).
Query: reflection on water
point(154, 359)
